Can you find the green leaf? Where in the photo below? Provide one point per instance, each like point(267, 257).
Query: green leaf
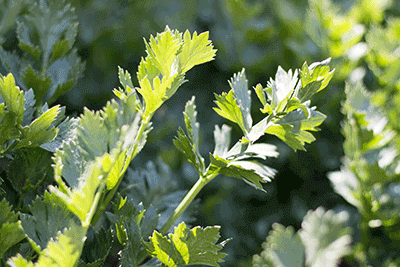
point(183, 143)
point(279, 90)
point(162, 51)
point(40, 130)
point(314, 78)
point(195, 51)
point(325, 237)
point(39, 83)
point(97, 247)
point(81, 198)
point(239, 86)
point(30, 172)
point(13, 97)
point(229, 109)
point(11, 231)
point(47, 219)
point(251, 172)
point(125, 80)
point(187, 247)
point(134, 224)
point(222, 137)
point(24, 41)
point(294, 126)
point(282, 249)
point(190, 145)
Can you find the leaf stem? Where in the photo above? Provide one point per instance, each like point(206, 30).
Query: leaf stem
point(186, 201)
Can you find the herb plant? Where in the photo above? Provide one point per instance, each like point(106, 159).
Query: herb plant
point(84, 162)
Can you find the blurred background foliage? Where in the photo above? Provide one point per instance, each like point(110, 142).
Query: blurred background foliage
point(361, 36)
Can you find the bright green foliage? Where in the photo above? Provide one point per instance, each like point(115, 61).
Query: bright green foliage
point(235, 106)
point(15, 116)
point(50, 66)
point(169, 56)
point(63, 251)
point(11, 231)
point(187, 247)
point(323, 240)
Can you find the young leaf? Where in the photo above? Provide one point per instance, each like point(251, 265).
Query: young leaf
point(162, 51)
point(190, 145)
point(279, 89)
point(187, 247)
point(239, 86)
point(325, 237)
point(13, 97)
point(229, 109)
point(314, 78)
point(195, 51)
point(283, 248)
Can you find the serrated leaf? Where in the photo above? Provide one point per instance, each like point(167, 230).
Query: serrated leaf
point(133, 224)
point(239, 86)
point(29, 107)
point(24, 41)
point(40, 130)
point(65, 250)
point(13, 97)
point(187, 247)
point(47, 219)
point(39, 83)
point(292, 128)
point(222, 137)
point(162, 51)
point(195, 50)
point(80, 199)
point(229, 109)
point(325, 237)
point(97, 247)
point(126, 81)
point(260, 94)
point(282, 249)
point(251, 172)
point(30, 172)
point(183, 143)
point(11, 231)
point(64, 73)
point(279, 89)
point(314, 78)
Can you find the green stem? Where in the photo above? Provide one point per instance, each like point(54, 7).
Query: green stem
point(186, 202)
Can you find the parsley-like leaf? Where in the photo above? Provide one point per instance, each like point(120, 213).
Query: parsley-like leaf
point(187, 247)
